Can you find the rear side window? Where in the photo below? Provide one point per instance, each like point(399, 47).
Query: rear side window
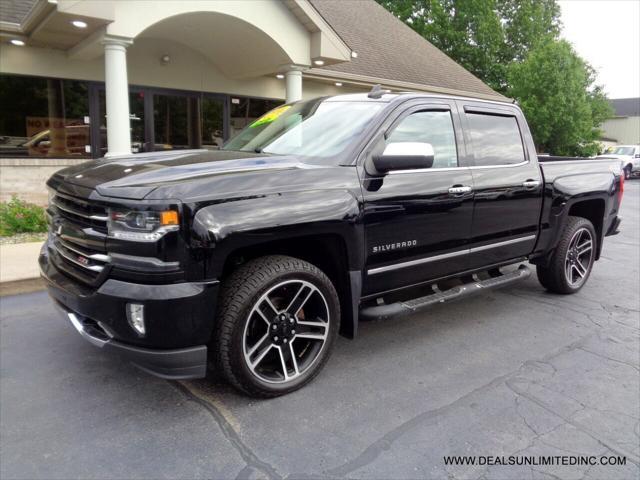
point(496, 139)
point(434, 127)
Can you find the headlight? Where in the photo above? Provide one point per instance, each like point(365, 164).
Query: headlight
point(141, 226)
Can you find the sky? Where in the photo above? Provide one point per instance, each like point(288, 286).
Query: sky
point(606, 33)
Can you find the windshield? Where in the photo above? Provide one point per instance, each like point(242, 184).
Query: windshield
point(315, 128)
point(623, 151)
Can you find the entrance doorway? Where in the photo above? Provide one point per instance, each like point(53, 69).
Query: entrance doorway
point(163, 120)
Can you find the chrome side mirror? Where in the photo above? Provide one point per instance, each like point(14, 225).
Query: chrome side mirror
point(404, 156)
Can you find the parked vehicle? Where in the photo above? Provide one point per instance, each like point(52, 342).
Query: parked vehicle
point(630, 157)
point(321, 213)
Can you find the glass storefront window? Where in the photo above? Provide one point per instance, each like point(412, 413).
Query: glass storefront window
point(136, 122)
point(44, 117)
point(246, 110)
point(171, 115)
point(212, 122)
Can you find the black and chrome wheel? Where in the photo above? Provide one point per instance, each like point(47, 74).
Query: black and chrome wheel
point(578, 259)
point(570, 265)
point(277, 321)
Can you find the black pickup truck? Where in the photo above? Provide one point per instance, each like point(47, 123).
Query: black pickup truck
point(251, 259)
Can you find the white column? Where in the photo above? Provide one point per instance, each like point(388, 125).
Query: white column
point(293, 85)
point(117, 96)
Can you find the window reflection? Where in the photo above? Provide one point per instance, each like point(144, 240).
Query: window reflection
point(212, 122)
point(47, 117)
point(44, 117)
point(496, 139)
point(136, 122)
point(434, 127)
point(246, 110)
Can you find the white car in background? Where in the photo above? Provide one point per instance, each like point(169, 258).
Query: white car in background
point(629, 154)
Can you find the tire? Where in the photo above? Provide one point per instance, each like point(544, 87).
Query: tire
point(276, 314)
point(627, 172)
point(568, 270)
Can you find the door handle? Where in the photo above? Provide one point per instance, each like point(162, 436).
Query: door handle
point(458, 190)
point(531, 184)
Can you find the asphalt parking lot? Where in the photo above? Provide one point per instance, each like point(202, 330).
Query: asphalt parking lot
point(512, 372)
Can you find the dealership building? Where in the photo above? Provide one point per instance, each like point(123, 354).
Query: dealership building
point(89, 79)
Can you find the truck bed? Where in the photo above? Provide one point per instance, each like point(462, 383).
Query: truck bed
point(555, 167)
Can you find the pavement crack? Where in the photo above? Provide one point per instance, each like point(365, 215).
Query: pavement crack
point(583, 428)
point(384, 443)
point(250, 458)
point(610, 359)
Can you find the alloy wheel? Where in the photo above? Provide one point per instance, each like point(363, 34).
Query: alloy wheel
point(579, 257)
point(285, 332)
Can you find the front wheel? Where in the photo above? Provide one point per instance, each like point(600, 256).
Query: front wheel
point(572, 261)
point(627, 172)
point(277, 321)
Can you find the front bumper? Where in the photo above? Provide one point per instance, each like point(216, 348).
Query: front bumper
point(177, 364)
point(179, 320)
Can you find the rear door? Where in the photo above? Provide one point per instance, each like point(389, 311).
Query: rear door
point(418, 222)
point(507, 183)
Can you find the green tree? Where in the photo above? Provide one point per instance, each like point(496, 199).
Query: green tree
point(514, 47)
point(556, 92)
point(484, 36)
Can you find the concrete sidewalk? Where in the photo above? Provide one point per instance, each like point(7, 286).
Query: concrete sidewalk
point(19, 271)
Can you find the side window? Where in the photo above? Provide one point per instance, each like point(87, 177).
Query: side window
point(496, 139)
point(434, 127)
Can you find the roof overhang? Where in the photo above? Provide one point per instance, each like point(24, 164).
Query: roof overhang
point(396, 85)
point(326, 45)
point(48, 24)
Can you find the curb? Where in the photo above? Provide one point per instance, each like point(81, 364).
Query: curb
point(17, 287)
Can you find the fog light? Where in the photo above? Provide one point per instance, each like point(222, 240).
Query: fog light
point(135, 315)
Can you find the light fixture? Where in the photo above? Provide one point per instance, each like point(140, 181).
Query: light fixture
point(279, 76)
point(338, 84)
point(354, 54)
point(17, 42)
point(318, 62)
point(79, 24)
point(165, 59)
point(135, 316)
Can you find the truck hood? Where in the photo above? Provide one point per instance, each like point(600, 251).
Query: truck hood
point(136, 177)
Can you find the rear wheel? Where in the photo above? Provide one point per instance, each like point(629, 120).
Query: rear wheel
point(277, 322)
point(571, 263)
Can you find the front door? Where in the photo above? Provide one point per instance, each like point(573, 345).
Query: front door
point(418, 222)
point(507, 183)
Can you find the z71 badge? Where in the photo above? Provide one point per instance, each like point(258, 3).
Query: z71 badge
point(394, 246)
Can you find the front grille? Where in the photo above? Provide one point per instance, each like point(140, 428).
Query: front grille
point(79, 261)
point(77, 238)
point(81, 212)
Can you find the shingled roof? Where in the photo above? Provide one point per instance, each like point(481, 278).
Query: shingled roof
point(389, 49)
point(15, 11)
point(626, 107)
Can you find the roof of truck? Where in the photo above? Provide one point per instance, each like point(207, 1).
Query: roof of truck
point(389, 97)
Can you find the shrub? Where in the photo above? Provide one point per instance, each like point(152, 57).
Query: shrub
point(17, 216)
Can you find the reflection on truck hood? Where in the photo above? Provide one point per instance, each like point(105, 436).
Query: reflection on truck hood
point(137, 176)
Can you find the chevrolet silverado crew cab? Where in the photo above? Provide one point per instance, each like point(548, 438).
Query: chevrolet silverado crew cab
point(253, 258)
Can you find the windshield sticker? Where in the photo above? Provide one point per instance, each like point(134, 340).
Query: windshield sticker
point(270, 116)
